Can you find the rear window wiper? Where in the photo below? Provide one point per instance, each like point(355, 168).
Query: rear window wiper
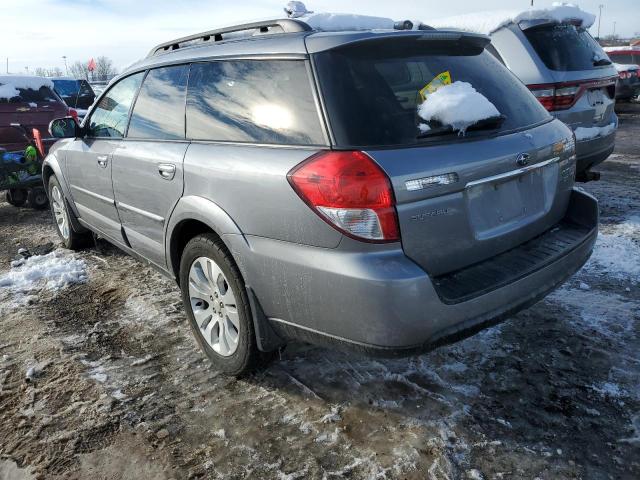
point(601, 62)
point(491, 123)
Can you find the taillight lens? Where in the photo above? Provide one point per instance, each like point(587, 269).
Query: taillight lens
point(624, 75)
point(349, 191)
point(73, 113)
point(555, 97)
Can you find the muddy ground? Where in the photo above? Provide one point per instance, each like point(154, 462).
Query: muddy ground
point(102, 379)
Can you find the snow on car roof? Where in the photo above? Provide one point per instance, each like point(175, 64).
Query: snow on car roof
point(623, 48)
point(625, 68)
point(489, 21)
point(334, 22)
point(9, 84)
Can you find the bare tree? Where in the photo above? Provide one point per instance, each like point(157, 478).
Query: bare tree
point(54, 72)
point(79, 70)
point(104, 68)
point(40, 72)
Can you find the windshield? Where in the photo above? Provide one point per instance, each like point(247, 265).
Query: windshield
point(373, 91)
point(564, 47)
point(27, 95)
point(67, 88)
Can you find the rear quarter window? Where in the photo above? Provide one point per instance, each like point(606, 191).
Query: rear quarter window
point(29, 95)
point(564, 47)
point(254, 101)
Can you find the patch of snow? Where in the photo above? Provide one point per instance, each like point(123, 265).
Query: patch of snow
point(616, 253)
point(296, 10)
point(626, 48)
point(9, 84)
point(488, 22)
point(625, 68)
point(608, 389)
point(50, 272)
point(588, 133)
point(459, 105)
point(337, 22)
point(35, 370)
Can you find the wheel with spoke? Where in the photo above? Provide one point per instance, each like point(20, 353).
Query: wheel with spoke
point(217, 305)
point(71, 238)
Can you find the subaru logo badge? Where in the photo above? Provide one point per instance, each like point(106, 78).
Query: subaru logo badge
point(523, 159)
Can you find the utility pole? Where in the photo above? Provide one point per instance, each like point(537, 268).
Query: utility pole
point(66, 69)
point(599, 19)
point(7, 65)
point(614, 28)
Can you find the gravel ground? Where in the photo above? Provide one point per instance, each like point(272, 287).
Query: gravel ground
point(102, 379)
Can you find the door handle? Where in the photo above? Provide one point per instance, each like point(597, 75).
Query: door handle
point(103, 160)
point(167, 170)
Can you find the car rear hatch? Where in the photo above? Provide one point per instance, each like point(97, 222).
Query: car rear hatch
point(460, 199)
point(581, 92)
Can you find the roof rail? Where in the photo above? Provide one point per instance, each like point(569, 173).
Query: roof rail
point(287, 25)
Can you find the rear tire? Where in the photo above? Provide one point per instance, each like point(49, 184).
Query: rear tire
point(37, 198)
point(62, 215)
point(217, 306)
point(16, 197)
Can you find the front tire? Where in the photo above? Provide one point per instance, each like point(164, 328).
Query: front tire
point(217, 306)
point(71, 239)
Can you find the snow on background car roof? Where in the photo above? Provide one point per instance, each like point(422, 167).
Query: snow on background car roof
point(9, 84)
point(487, 22)
point(625, 68)
point(622, 48)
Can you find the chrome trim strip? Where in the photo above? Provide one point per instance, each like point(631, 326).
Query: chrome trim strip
point(512, 173)
point(94, 195)
point(144, 213)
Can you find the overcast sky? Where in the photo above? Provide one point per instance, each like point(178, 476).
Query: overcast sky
point(37, 33)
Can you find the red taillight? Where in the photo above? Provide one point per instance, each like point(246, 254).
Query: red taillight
point(73, 113)
point(624, 75)
point(555, 97)
point(350, 192)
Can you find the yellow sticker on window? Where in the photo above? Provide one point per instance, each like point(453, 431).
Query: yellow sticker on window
point(440, 80)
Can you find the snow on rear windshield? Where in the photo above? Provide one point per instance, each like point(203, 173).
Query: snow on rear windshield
point(458, 105)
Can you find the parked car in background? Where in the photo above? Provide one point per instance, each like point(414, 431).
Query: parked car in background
point(76, 93)
point(30, 102)
point(628, 84)
point(320, 193)
point(624, 55)
point(552, 52)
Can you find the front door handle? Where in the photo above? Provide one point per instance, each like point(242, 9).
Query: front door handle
point(103, 160)
point(167, 171)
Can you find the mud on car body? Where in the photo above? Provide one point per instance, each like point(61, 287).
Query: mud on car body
point(293, 185)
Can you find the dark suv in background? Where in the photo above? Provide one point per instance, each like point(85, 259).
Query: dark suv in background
point(291, 182)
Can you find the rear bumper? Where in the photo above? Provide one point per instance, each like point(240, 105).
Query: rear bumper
point(381, 302)
point(590, 153)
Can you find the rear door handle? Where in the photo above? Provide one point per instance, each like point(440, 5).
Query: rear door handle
point(167, 170)
point(103, 160)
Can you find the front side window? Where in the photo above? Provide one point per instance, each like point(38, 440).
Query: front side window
point(258, 101)
point(159, 109)
point(109, 118)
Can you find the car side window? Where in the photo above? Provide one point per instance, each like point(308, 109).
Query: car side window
point(256, 101)
point(159, 109)
point(109, 118)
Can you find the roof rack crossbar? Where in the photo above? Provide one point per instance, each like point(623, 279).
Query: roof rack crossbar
point(288, 25)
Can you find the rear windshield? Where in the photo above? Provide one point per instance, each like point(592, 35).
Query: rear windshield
point(67, 88)
point(564, 47)
point(372, 90)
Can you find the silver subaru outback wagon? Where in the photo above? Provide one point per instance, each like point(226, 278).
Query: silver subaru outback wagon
point(286, 182)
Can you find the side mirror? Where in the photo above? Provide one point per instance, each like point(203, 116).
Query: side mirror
point(66, 127)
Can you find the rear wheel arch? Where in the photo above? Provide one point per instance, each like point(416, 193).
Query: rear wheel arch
point(193, 216)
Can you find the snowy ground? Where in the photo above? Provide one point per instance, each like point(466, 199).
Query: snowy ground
point(100, 378)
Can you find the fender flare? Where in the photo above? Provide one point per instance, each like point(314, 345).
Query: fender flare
point(190, 208)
